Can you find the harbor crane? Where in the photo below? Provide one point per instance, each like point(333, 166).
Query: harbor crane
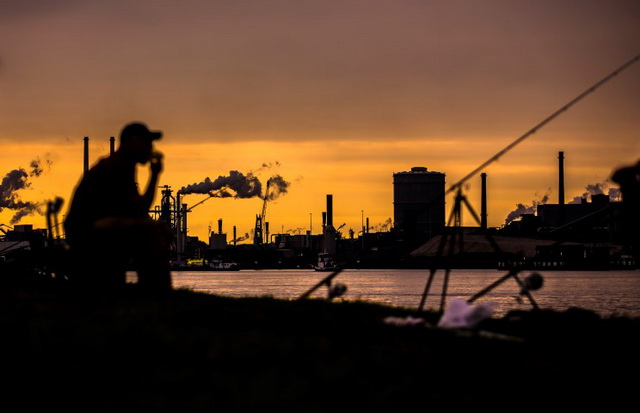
point(259, 235)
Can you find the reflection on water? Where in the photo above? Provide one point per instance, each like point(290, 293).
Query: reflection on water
point(606, 292)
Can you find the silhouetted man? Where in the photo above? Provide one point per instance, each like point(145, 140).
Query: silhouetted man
point(108, 226)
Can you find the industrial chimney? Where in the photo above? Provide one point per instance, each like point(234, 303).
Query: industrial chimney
point(112, 145)
point(561, 207)
point(329, 233)
point(266, 232)
point(185, 227)
point(220, 226)
point(178, 221)
point(483, 207)
point(86, 153)
point(560, 178)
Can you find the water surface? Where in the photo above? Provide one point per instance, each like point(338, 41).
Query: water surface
point(606, 292)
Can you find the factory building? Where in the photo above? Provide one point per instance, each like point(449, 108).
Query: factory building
point(218, 241)
point(419, 202)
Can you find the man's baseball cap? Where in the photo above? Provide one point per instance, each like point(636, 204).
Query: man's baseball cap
point(138, 129)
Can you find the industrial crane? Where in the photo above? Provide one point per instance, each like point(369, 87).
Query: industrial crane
point(258, 233)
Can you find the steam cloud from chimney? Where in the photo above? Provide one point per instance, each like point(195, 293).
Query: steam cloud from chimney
point(382, 227)
point(16, 180)
point(276, 186)
point(522, 209)
point(242, 238)
point(598, 189)
point(239, 185)
point(591, 189)
point(242, 186)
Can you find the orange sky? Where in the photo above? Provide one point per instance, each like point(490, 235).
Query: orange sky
point(335, 95)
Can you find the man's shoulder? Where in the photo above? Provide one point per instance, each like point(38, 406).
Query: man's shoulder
point(106, 171)
point(108, 164)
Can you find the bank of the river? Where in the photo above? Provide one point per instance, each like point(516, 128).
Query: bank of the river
point(189, 351)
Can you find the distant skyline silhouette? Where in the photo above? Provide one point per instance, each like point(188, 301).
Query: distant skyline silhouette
point(335, 96)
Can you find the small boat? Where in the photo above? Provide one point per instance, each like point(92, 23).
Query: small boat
point(219, 265)
point(200, 264)
point(326, 263)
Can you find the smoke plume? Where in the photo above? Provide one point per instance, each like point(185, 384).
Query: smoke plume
point(276, 186)
point(598, 188)
point(241, 238)
point(14, 181)
point(382, 227)
point(239, 185)
point(269, 164)
point(37, 168)
point(235, 185)
point(522, 209)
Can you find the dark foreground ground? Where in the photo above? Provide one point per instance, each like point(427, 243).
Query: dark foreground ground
point(187, 351)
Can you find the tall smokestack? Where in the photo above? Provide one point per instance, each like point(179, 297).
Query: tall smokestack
point(184, 221)
point(112, 145)
point(86, 153)
point(560, 188)
point(483, 207)
point(329, 232)
point(178, 221)
point(367, 225)
point(329, 210)
point(560, 178)
point(266, 232)
point(235, 238)
point(220, 226)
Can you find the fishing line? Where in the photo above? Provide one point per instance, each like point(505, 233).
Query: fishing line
point(543, 123)
point(458, 185)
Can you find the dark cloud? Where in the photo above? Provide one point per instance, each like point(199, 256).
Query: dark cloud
point(303, 70)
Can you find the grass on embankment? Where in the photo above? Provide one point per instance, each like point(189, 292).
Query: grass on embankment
point(189, 351)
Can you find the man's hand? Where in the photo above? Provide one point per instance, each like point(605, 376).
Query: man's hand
point(156, 163)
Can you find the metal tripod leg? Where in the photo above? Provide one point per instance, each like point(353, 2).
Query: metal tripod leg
point(453, 217)
point(456, 216)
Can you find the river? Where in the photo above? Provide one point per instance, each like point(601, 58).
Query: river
point(605, 292)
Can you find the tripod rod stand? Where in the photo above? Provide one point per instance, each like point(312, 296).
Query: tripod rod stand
point(456, 218)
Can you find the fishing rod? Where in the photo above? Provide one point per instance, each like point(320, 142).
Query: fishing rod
point(212, 194)
point(460, 199)
point(536, 128)
point(542, 124)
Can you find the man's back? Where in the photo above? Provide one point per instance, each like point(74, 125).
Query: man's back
point(107, 190)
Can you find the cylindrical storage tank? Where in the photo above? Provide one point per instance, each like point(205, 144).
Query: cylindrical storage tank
point(419, 202)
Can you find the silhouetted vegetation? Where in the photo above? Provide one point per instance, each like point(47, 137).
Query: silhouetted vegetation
point(187, 351)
